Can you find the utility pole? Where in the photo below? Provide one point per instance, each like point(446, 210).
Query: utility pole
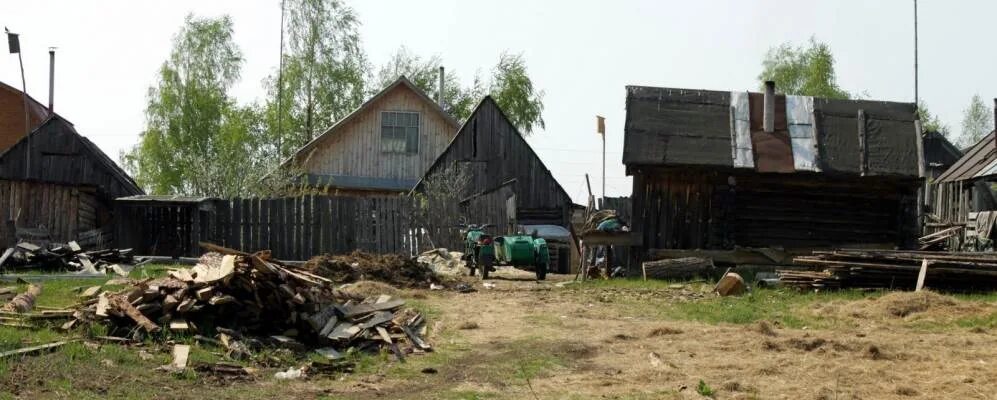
point(601, 129)
point(917, 100)
point(280, 87)
point(14, 45)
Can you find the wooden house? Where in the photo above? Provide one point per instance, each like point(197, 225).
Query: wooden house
point(718, 170)
point(383, 147)
point(59, 186)
point(507, 186)
point(12, 115)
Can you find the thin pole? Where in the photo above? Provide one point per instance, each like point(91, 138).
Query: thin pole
point(27, 122)
point(604, 167)
point(917, 99)
point(280, 87)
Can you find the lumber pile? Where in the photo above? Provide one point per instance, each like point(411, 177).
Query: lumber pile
point(953, 271)
point(63, 257)
point(245, 301)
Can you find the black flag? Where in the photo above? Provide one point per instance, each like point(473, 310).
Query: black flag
point(12, 42)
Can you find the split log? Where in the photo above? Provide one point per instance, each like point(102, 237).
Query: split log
point(678, 268)
point(24, 302)
point(33, 349)
point(124, 306)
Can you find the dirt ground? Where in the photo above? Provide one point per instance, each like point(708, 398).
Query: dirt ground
point(595, 343)
point(613, 340)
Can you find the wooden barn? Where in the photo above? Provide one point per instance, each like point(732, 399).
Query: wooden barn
point(963, 192)
point(506, 183)
point(722, 171)
point(381, 148)
point(59, 186)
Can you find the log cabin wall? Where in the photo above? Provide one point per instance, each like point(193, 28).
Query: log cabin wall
point(703, 209)
point(61, 211)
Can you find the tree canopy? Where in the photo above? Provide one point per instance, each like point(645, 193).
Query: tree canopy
point(806, 70)
point(324, 73)
point(509, 84)
point(193, 127)
point(977, 122)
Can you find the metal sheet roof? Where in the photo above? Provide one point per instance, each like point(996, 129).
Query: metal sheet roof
point(689, 127)
point(976, 163)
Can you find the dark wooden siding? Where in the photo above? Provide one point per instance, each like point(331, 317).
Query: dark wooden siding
point(703, 209)
point(62, 212)
point(58, 154)
point(293, 228)
point(497, 157)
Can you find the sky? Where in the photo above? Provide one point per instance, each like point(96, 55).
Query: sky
point(581, 54)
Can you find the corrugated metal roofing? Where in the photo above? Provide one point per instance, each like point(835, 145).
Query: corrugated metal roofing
point(674, 127)
point(974, 164)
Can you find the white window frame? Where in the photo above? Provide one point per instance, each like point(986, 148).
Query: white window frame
point(418, 131)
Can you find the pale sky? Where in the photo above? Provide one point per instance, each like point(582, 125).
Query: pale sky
point(582, 54)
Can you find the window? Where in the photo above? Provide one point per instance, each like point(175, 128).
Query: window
point(399, 132)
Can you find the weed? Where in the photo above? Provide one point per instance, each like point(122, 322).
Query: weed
point(704, 390)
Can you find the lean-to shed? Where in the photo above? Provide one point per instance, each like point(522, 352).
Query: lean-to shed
point(719, 170)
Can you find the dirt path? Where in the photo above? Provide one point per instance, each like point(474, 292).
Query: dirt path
point(542, 341)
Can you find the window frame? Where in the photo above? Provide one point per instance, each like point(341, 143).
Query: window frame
point(418, 131)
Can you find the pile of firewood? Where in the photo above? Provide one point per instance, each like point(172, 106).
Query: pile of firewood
point(64, 257)
point(249, 300)
point(951, 271)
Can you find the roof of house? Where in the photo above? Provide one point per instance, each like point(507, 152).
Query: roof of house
point(401, 81)
point(939, 151)
point(53, 132)
point(979, 161)
point(488, 101)
point(688, 127)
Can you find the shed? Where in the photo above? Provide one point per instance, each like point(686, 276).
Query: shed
point(505, 175)
point(165, 225)
point(59, 184)
point(966, 189)
point(721, 170)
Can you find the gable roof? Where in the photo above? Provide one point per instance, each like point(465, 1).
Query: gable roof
point(979, 161)
point(689, 127)
point(489, 102)
point(103, 173)
point(939, 151)
point(401, 81)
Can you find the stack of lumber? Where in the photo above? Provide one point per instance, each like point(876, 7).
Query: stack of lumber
point(62, 257)
point(254, 298)
point(898, 269)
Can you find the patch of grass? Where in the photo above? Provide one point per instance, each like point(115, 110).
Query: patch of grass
point(705, 390)
point(785, 307)
point(153, 270)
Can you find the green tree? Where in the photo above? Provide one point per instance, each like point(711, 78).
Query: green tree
point(513, 91)
point(977, 122)
point(802, 70)
point(510, 86)
point(197, 140)
point(324, 71)
point(424, 74)
point(931, 122)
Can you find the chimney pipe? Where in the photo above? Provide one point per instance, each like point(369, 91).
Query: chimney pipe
point(768, 118)
point(439, 93)
point(51, 80)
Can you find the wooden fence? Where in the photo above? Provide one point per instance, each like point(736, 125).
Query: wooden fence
point(293, 228)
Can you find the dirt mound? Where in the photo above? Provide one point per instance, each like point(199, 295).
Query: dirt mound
point(389, 268)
